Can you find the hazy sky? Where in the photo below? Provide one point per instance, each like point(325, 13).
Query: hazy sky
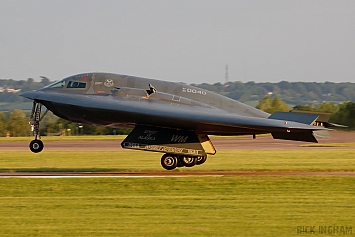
point(186, 40)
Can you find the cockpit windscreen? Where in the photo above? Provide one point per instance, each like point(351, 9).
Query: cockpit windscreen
point(75, 84)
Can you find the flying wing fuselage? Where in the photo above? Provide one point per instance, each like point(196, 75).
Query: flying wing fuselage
point(127, 101)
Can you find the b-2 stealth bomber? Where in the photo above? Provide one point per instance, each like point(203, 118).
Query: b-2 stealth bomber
point(167, 117)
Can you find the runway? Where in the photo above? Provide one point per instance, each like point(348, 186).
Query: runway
point(166, 174)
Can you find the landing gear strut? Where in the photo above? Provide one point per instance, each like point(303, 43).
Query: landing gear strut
point(171, 161)
point(36, 145)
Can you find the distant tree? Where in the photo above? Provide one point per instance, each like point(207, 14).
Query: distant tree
point(246, 96)
point(304, 107)
point(45, 81)
point(30, 80)
point(2, 125)
point(272, 105)
point(284, 85)
point(68, 128)
point(328, 108)
point(314, 88)
point(345, 115)
point(265, 103)
point(51, 128)
point(258, 91)
point(324, 107)
point(17, 123)
point(279, 105)
point(348, 93)
point(290, 92)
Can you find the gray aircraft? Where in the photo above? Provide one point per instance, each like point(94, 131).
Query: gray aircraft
point(167, 117)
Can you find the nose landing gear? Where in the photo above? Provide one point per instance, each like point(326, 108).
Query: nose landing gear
point(36, 145)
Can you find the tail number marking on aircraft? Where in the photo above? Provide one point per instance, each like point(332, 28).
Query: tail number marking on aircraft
point(179, 138)
point(194, 91)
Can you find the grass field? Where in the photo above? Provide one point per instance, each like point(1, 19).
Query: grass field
point(194, 206)
point(171, 206)
point(292, 160)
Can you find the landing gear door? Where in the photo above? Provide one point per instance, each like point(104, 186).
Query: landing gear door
point(164, 140)
point(207, 144)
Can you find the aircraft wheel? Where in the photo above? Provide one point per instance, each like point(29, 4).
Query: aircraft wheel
point(200, 160)
point(36, 146)
point(169, 162)
point(180, 164)
point(188, 161)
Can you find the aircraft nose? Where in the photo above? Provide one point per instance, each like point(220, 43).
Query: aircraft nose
point(29, 94)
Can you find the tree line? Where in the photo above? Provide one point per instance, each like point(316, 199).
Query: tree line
point(343, 114)
point(24, 85)
point(293, 93)
point(16, 124)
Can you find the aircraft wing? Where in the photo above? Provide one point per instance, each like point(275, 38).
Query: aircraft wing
point(113, 110)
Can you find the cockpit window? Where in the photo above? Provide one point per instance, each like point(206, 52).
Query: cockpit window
point(75, 84)
point(58, 84)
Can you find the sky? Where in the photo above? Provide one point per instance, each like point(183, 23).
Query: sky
point(188, 41)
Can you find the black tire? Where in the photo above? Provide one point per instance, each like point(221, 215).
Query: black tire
point(200, 160)
point(169, 162)
point(188, 161)
point(179, 162)
point(36, 146)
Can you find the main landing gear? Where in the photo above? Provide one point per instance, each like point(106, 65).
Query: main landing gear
point(36, 145)
point(171, 161)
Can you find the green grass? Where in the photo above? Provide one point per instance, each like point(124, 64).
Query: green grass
point(194, 206)
point(17, 105)
point(129, 160)
point(176, 206)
